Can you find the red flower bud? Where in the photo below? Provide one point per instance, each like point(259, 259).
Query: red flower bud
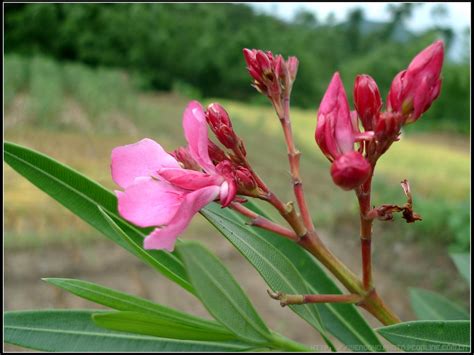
point(413, 90)
point(388, 126)
point(220, 124)
point(184, 157)
point(215, 153)
point(273, 76)
point(335, 131)
point(292, 67)
point(263, 62)
point(350, 170)
point(367, 100)
point(245, 180)
point(250, 58)
point(227, 170)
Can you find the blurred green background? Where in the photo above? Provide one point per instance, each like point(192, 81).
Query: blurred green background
point(81, 79)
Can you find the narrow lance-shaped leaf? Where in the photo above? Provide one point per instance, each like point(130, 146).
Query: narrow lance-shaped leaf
point(429, 305)
point(82, 196)
point(222, 295)
point(148, 324)
point(342, 320)
point(272, 264)
point(74, 330)
point(432, 336)
point(125, 302)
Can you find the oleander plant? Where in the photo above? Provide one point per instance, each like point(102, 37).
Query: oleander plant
point(160, 190)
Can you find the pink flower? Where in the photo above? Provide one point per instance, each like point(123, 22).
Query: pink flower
point(336, 133)
point(159, 192)
point(414, 89)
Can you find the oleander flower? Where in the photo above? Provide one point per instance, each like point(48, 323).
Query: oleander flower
point(159, 192)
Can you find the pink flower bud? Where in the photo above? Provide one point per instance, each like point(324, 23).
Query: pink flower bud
point(245, 180)
point(350, 170)
point(227, 170)
point(264, 62)
point(388, 126)
point(335, 131)
point(272, 75)
point(249, 56)
point(215, 153)
point(367, 100)
point(183, 156)
point(219, 121)
point(292, 63)
point(413, 90)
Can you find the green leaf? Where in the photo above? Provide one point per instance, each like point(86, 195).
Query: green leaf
point(433, 336)
point(124, 302)
point(221, 294)
point(74, 331)
point(82, 196)
point(272, 264)
point(148, 324)
point(342, 320)
point(429, 305)
point(461, 260)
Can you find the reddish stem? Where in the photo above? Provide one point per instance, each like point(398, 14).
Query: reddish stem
point(294, 162)
point(363, 195)
point(261, 222)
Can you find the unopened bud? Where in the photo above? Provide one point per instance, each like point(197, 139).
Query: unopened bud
point(413, 90)
point(245, 180)
point(388, 126)
point(215, 153)
point(292, 63)
point(219, 121)
point(272, 74)
point(367, 101)
point(226, 168)
point(183, 156)
point(264, 62)
point(350, 170)
point(335, 130)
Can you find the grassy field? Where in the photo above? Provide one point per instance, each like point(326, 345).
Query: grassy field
point(78, 115)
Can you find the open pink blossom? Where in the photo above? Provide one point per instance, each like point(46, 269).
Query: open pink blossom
point(159, 192)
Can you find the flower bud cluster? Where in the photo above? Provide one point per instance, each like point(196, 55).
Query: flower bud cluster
point(273, 76)
point(412, 92)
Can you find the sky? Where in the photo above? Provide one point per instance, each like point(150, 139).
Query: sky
point(459, 14)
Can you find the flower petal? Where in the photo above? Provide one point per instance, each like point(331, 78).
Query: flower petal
point(143, 158)
point(149, 202)
point(335, 129)
point(195, 131)
point(165, 238)
point(189, 179)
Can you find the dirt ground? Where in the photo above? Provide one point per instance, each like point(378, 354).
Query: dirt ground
point(395, 268)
